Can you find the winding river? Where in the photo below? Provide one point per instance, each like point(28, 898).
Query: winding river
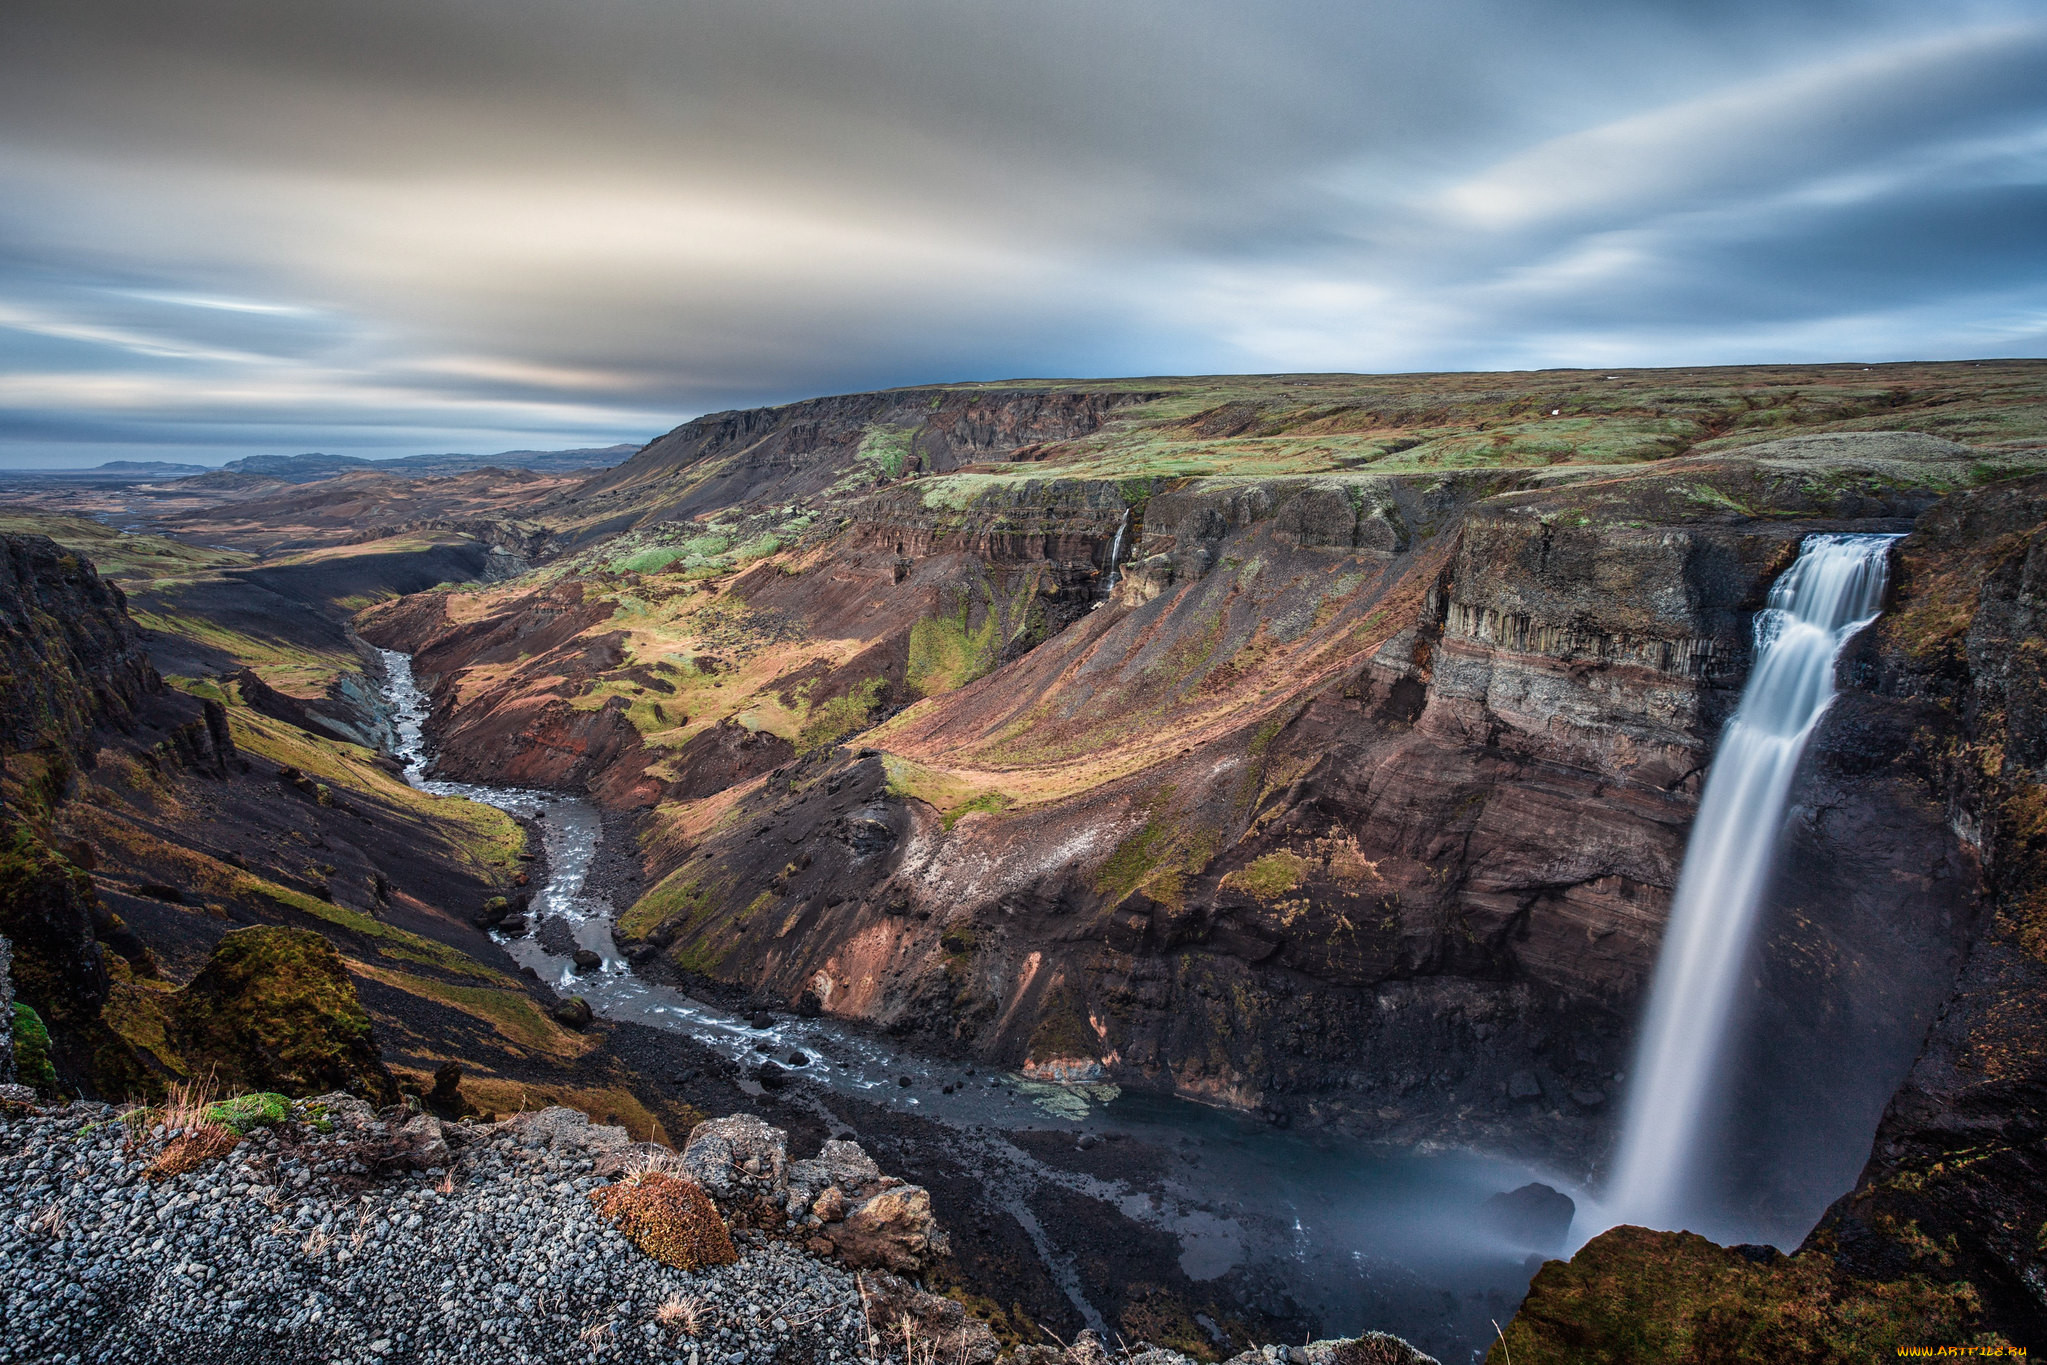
point(1361, 1238)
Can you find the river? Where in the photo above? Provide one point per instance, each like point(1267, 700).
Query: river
point(1362, 1238)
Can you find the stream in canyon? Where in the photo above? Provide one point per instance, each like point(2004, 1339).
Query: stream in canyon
point(1359, 1238)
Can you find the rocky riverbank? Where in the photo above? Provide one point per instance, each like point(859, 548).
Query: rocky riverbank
point(321, 1230)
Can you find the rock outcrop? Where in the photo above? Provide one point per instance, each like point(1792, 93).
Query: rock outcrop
point(71, 656)
point(852, 1210)
point(274, 1009)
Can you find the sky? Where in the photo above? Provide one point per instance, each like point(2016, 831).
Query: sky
point(385, 227)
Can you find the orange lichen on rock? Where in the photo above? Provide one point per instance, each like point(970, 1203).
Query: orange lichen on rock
point(670, 1218)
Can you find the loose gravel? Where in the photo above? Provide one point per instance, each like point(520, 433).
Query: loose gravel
point(291, 1249)
point(346, 1238)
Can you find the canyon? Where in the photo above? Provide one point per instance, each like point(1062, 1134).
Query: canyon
point(1319, 749)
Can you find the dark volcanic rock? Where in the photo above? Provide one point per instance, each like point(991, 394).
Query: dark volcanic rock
point(1945, 726)
point(1957, 1162)
point(1534, 1216)
point(72, 657)
point(275, 1009)
point(48, 908)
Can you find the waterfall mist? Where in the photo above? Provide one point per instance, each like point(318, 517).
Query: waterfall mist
point(1834, 589)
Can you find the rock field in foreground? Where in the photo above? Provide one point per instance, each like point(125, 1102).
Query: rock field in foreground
point(339, 1236)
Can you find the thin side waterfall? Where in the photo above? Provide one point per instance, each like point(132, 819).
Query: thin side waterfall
point(1116, 553)
point(1835, 588)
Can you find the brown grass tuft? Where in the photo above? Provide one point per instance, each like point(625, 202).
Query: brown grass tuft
point(669, 1218)
point(681, 1313)
point(198, 1141)
point(191, 1148)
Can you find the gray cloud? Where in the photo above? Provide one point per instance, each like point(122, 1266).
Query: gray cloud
point(434, 225)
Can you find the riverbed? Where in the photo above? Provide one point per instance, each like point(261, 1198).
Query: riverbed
point(1360, 1237)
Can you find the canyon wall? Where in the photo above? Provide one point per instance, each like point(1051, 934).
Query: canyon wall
point(1358, 801)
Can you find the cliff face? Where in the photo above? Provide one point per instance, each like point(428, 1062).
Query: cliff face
point(1359, 799)
point(832, 447)
point(1366, 801)
point(77, 672)
point(71, 656)
point(1942, 727)
point(1955, 1185)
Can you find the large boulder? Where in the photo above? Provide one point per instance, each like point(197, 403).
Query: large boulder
point(1631, 1294)
point(839, 1163)
point(738, 1156)
point(870, 1219)
point(1534, 1216)
point(421, 1144)
point(275, 1009)
point(893, 1230)
point(566, 1130)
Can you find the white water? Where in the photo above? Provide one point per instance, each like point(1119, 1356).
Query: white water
point(1116, 553)
point(1834, 589)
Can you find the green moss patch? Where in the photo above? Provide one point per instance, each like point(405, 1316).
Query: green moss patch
point(948, 652)
point(843, 715)
point(1271, 876)
point(244, 1114)
point(1631, 1295)
point(1064, 1031)
point(511, 1013)
point(489, 838)
point(274, 1009)
point(32, 1051)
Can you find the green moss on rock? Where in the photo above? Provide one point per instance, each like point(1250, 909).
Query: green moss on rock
point(244, 1114)
point(275, 1010)
point(1632, 1296)
point(32, 1051)
point(1063, 1031)
point(47, 907)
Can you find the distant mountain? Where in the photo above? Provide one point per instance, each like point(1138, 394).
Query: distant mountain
point(309, 467)
point(149, 469)
point(112, 472)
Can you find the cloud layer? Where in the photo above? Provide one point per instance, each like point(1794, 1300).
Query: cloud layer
point(384, 227)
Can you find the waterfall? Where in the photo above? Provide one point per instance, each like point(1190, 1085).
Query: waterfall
point(1116, 552)
point(1834, 589)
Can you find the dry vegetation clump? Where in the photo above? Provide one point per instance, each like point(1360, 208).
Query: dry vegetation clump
point(197, 1135)
point(668, 1217)
point(1375, 1348)
point(191, 1148)
point(682, 1313)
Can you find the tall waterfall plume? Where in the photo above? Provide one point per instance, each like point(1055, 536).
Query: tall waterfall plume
point(1835, 588)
